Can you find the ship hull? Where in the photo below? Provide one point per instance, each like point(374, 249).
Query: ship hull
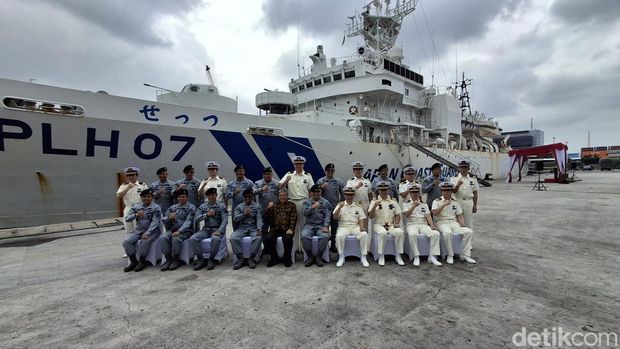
point(58, 169)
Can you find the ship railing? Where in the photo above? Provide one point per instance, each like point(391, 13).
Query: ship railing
point(40, 106)
point(265, 131)
point(474, 167)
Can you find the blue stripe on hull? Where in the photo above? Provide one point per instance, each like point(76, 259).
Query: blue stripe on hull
point(277, 149)
point(240, 152)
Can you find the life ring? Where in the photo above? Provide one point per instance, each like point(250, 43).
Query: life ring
point(353, 110)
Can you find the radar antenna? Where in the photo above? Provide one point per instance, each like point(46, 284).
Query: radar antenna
point(380, 26)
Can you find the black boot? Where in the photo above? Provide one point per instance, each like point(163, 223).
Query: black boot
point(273, 261)
point(310, 259)
point(251, 262)
point(319, 260)
point(199, 263)
point(210, 264)
point(166, 265)
point(176, 262)
point(142, 264)
point(132, 264)
point(239, 262)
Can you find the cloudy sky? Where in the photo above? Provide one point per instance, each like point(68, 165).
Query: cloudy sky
point(556, 61)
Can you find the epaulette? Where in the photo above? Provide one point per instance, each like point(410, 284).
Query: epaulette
point(141, 183)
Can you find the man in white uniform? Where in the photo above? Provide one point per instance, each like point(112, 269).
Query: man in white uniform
point(385, 214)
point(298, 184)
point(351, 219)
point(408, 180)
point(214, 181)
point(449, 217)
point(466, 193)
point(130, 192)
point(419, 221)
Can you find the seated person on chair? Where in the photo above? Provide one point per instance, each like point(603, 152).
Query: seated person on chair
point(215, 215)
point(179, 223)
point(351, 221)
point(282, 218)
point(148, 218)
point(249, 219)
point(385, 215)
point(317, 211)
point(419, 221)
point(449, 217)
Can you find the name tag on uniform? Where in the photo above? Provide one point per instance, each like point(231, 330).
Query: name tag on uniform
point(471, 182)
point(453, 208)
point(219, 185)
point(423, 209)
point(357, 212)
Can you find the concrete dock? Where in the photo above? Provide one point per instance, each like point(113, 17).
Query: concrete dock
point(545, 260)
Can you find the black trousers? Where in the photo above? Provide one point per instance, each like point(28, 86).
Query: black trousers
point(334, 228)
point(269, 242)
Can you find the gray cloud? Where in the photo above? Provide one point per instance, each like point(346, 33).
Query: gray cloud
point(130, 20)
point(75, 53)
point(579, 11)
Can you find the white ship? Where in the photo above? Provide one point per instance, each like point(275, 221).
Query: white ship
point(62, 150)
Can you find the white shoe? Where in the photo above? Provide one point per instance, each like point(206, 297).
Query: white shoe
point(399, 259)
point(468, 259)
point(416, 261)
point(365, 262)
point(432, 259)
point(382, 260)
point(340, 261)
point(125, 255)
point(450, 260)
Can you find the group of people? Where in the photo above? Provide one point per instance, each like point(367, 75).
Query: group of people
point(296, 209)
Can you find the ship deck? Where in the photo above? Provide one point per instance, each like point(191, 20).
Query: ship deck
point(545, 259)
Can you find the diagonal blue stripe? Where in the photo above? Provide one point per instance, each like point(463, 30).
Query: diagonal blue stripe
point(276, 151)
point(240, 152)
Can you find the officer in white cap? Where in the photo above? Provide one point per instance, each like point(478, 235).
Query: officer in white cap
point(448, 215)
point(298, 184)
point(351, 221)
point(385, 214)
point(214, 181)
point(361, 185)
point(419, 221)
point(130, 193)
point(408, 179)
point(466, 193)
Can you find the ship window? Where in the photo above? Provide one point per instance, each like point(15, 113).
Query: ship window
point(327, 79)
point(43, 106)
point(317, 82)
point(294, 90)
point(349, 74)
point(265, 131)
point(302, 87)
point(309, 84)
point(337, 77)
point(386, 82)
point(194, 88)
point(406, 92)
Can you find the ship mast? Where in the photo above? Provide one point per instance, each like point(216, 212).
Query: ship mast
point(380, 24)
point(209, 76)
point(464, 97)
